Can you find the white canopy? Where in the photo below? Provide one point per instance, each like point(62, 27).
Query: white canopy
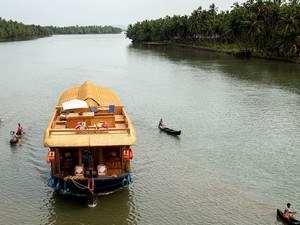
point(74, 104)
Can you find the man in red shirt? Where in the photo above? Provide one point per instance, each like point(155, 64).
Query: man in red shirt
point(20, 129)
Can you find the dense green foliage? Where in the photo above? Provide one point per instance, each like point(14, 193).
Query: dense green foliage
point(86, 30)
point(266, 27)
point(12, 30)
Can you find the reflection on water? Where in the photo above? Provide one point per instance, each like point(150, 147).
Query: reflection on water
point(79, 213)
point(282, 74)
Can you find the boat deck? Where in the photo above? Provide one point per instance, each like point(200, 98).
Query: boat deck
point(101, 121)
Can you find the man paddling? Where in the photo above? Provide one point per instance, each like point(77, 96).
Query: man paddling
point(287, 213)
point(161, 123)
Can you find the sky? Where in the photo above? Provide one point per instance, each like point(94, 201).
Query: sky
point(100, 12)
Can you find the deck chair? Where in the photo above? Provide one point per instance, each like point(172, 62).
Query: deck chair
point(111, 108)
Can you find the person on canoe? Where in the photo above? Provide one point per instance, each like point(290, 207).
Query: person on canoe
point(13, 136)
point(161, 123)
point(20, 129)
point(287, 213)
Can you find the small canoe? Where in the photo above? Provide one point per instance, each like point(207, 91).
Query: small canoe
point(288, 221)
point(168, 130)
point(17, 139)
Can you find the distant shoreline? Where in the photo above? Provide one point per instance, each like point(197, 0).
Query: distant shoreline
point(22, 39)
point(34, 38)
point(17, 31)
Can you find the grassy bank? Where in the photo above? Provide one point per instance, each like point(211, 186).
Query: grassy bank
point(229, 49)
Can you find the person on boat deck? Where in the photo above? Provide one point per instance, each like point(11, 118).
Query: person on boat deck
point(20, 129)
point(80, 125)
point(287, 213)
point(83, 125)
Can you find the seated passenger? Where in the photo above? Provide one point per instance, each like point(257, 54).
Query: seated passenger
point(13, 136)
point(80, 125)
point(287, 213)
point(161, 123)
point(104, 125)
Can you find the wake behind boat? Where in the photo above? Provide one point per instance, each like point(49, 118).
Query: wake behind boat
point(89, 138)
point(162, 127)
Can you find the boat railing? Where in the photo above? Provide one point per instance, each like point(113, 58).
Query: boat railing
point(53, 119)
point(91, 131)
point(125, 119)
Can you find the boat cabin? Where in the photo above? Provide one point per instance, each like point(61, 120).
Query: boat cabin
point(102, 161)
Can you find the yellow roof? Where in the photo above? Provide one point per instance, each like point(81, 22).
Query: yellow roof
point(92, 94)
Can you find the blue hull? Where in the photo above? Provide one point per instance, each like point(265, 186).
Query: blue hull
point(86, 187)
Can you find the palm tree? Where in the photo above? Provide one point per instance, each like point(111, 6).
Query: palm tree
point(288, 29)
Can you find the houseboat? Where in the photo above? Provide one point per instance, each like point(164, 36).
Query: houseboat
point(89, 138)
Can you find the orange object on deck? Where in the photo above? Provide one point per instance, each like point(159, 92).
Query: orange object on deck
point(50, 156)
point(128, 154)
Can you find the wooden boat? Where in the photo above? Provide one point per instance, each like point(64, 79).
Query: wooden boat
point(17, 139)
point(288, 221)
point(90, 159)
point(168, 130)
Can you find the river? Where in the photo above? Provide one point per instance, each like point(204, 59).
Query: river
point(235, 162)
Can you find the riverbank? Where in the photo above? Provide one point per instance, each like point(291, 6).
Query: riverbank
point(237, 53)
point(229, 51)
point(23, 39)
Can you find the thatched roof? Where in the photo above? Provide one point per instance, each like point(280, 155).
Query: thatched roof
point(92, 94)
